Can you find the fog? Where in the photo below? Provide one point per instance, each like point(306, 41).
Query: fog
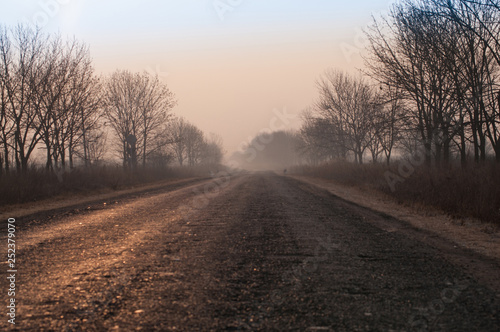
point(228, 66)
point(276, 151)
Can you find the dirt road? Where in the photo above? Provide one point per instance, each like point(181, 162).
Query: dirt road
point(253, 252)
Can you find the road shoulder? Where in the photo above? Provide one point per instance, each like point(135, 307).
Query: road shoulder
point(478, 237)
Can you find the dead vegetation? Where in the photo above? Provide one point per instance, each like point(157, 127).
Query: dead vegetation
point(37, 183)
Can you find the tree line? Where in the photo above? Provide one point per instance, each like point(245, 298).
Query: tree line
point(431, 84)
point(52, 99)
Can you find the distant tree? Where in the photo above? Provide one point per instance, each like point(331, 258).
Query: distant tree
point(271, 151)
point(319, 139)
point(349, 105)
point(195, 143)
point(136, 107)
point(213, 150)
point(189, 145)
point(121, 104)
point(177, 131)
point(156, 103)
point(95, 146)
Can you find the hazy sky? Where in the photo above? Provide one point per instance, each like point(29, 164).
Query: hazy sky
point(231, 63)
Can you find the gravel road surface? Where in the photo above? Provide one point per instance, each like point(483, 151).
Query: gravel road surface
point(252, 252)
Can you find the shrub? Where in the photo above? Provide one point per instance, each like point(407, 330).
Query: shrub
point(38, 183)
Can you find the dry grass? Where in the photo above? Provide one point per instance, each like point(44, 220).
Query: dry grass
point(473, 191)
point(38, 183)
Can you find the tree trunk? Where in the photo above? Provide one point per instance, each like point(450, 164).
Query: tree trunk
point(63, 157)
point(48, 163)
point(483, 147)
point(6, 159)
point(70, 151)
point(70, 156)
point(24, 165)
point(463, 149)
point(17, 153)
point(428, 153)
point(144, 151)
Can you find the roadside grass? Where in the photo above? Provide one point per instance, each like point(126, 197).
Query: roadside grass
point(38, 183)
point(473, 191)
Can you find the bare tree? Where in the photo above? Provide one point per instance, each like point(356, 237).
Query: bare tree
point(475, 53)
point(82, 107)
point(48, 92)
point(213, 150)
point(319, 139)
point(21, 53)
point(6, 123)
point(443, 56)
point(195, 143)
point(349, 104)
point(478, 21)
point(407, 54)
point(136, 106)
point(156, 103)
point(177, 131)
point(390, 120)
point(121, 104)
point(377, 125)
point(53, 88)
point(96, 146)
point(187, 144)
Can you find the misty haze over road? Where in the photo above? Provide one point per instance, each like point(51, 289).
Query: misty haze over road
point(266, 252)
